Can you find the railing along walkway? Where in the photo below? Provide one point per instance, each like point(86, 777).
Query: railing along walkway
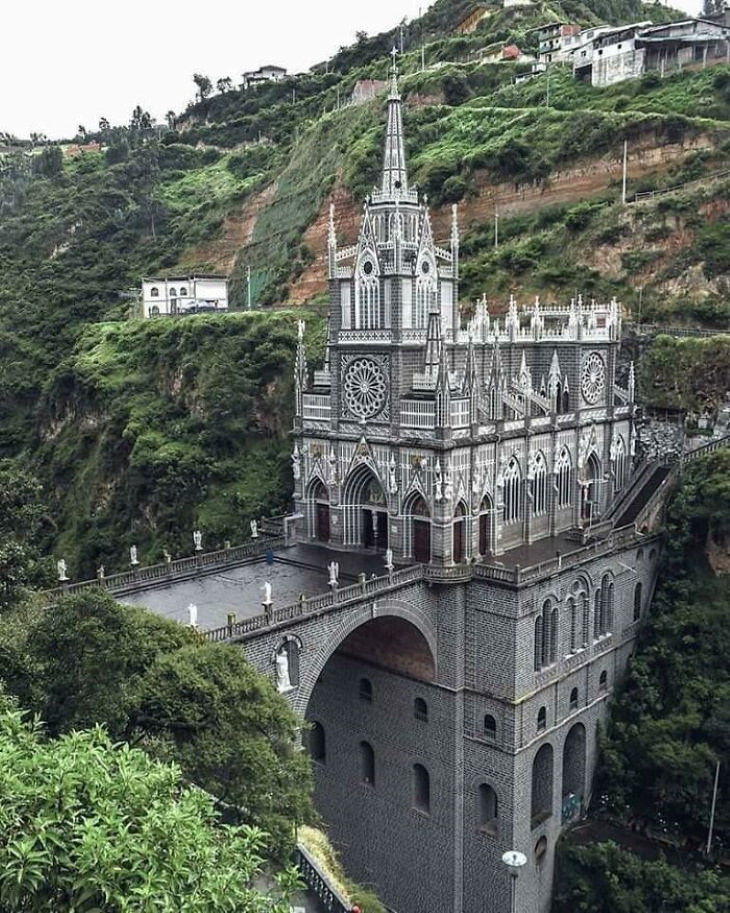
point(318, 882)
point(317, 605)
point(167, 572)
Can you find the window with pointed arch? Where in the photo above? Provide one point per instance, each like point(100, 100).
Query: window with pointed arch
point(637, 602)
point(578, 607)
point(154, 292)
point(367, 308)
point(425, 296)
point(173, 293)
point(490, 728)
point(512, 511)
point(563, 473)
point(538, 486)
point(603, 608)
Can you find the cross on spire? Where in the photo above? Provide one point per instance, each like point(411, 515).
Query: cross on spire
point(394, 54)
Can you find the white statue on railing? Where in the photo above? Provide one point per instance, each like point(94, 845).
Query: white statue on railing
point(62, 567)
point(133, 555)
point(198, 540)
point(193, 615)
point(266, 601)
point(254, 529)
point(283, 676)
point(296, 464)
point(334, 571)
point(389, 560)
point(100, 572)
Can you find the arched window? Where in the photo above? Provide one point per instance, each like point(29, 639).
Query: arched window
point(487, 809)
point(154, 311)
point(546, 636)
point(563, 473)
point(154, 292)
point(512, 490)
point(597, 620)
point(459, 532)
point(541, 719)
point(421, 789)
point(173, 293)
point(420, 710)
point(603, 681)
point(538, 486)
point(365, 690)
point(183, 291)
point(637, 602)
point(485, 520)
point(317, 743)
point(604, 607)
point(490, 727)
point(367, 296)
point(367, 764)
point(574, 699)
point(319, 510)
point(542, 785)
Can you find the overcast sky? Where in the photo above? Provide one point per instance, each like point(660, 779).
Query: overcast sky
point(70, 63)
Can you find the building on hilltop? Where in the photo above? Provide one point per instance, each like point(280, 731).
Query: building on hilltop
point(458, 720)
point(269, 73)
point(179, 295)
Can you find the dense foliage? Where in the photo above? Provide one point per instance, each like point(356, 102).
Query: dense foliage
point(686, 373)
point(153, 682)
point(88, 825)
point(669, 727)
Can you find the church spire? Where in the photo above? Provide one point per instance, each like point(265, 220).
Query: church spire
point(394, 181)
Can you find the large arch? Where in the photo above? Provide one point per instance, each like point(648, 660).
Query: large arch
point(415, 617)
point(366, 509)
point(459, 533)
point(591, 499)
point(541, 807)
point(317, 505)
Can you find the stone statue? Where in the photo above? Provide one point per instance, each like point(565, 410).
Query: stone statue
point(389, 560)
point(133, 555)
point(267, 593)
point(300, 329)
point(332, 461)
point(334, 571)
point(392, 477)
point(100, 573)
point(254, 529)
point(61, 567)
point(438, 482)
point(198, 540)
point(283, 678)
point(296, 464)
point(193, 615)
point(167, 556)
point(448, 488)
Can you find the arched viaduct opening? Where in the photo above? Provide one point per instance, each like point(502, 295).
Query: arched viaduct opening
point(376, 735)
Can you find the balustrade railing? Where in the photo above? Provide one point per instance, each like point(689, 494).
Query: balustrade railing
point(317, 881)
point(306, 607)
point(138, 577)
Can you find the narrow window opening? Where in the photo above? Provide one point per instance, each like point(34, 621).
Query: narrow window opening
point(366, 690)
point(421, 789)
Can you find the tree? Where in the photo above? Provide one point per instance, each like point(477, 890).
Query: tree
point(91, 826)
point(22, 519)
point(171, 119)
point(87, 657)
point(232, 734)
point(225, 84)
point(205, 86)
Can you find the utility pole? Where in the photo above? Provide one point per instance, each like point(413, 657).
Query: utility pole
point(547, 86)
point(625, 174)
point(712, 812)
point(496, 228)
point(641, 295)
point(248, 288)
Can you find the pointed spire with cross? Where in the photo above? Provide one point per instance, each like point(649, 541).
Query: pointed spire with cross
point(394, 180)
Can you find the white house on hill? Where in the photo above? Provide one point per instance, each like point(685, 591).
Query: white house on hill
point(184, 295)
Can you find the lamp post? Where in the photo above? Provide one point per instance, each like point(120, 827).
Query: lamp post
point(514, 861)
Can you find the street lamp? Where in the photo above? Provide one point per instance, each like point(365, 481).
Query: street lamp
point(514, 861)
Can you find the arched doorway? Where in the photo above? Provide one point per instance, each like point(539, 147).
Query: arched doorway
point(374, 770)
point(366, 510)
point(418, 529)
point(542, 786)
point(459, 532)
point(574, 771)
point(591, 505)
point(319, 511)
point(486, 511)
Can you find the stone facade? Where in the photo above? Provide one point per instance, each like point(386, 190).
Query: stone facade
point(453, 705)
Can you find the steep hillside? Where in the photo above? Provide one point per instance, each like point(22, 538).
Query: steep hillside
point(132, 451)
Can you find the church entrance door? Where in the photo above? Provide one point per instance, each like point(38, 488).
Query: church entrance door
point(323, 522)
point(422, 541)
point(375, 529)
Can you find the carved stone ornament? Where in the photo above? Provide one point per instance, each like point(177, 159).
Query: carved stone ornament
point(592, 378)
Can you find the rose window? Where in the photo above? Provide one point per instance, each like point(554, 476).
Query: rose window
point(593, 378)
point(365, 388)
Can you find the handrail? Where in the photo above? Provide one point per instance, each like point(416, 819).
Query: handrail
point(307, 607)
point(705, 448)
point(167, 571)
point(318, 882)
